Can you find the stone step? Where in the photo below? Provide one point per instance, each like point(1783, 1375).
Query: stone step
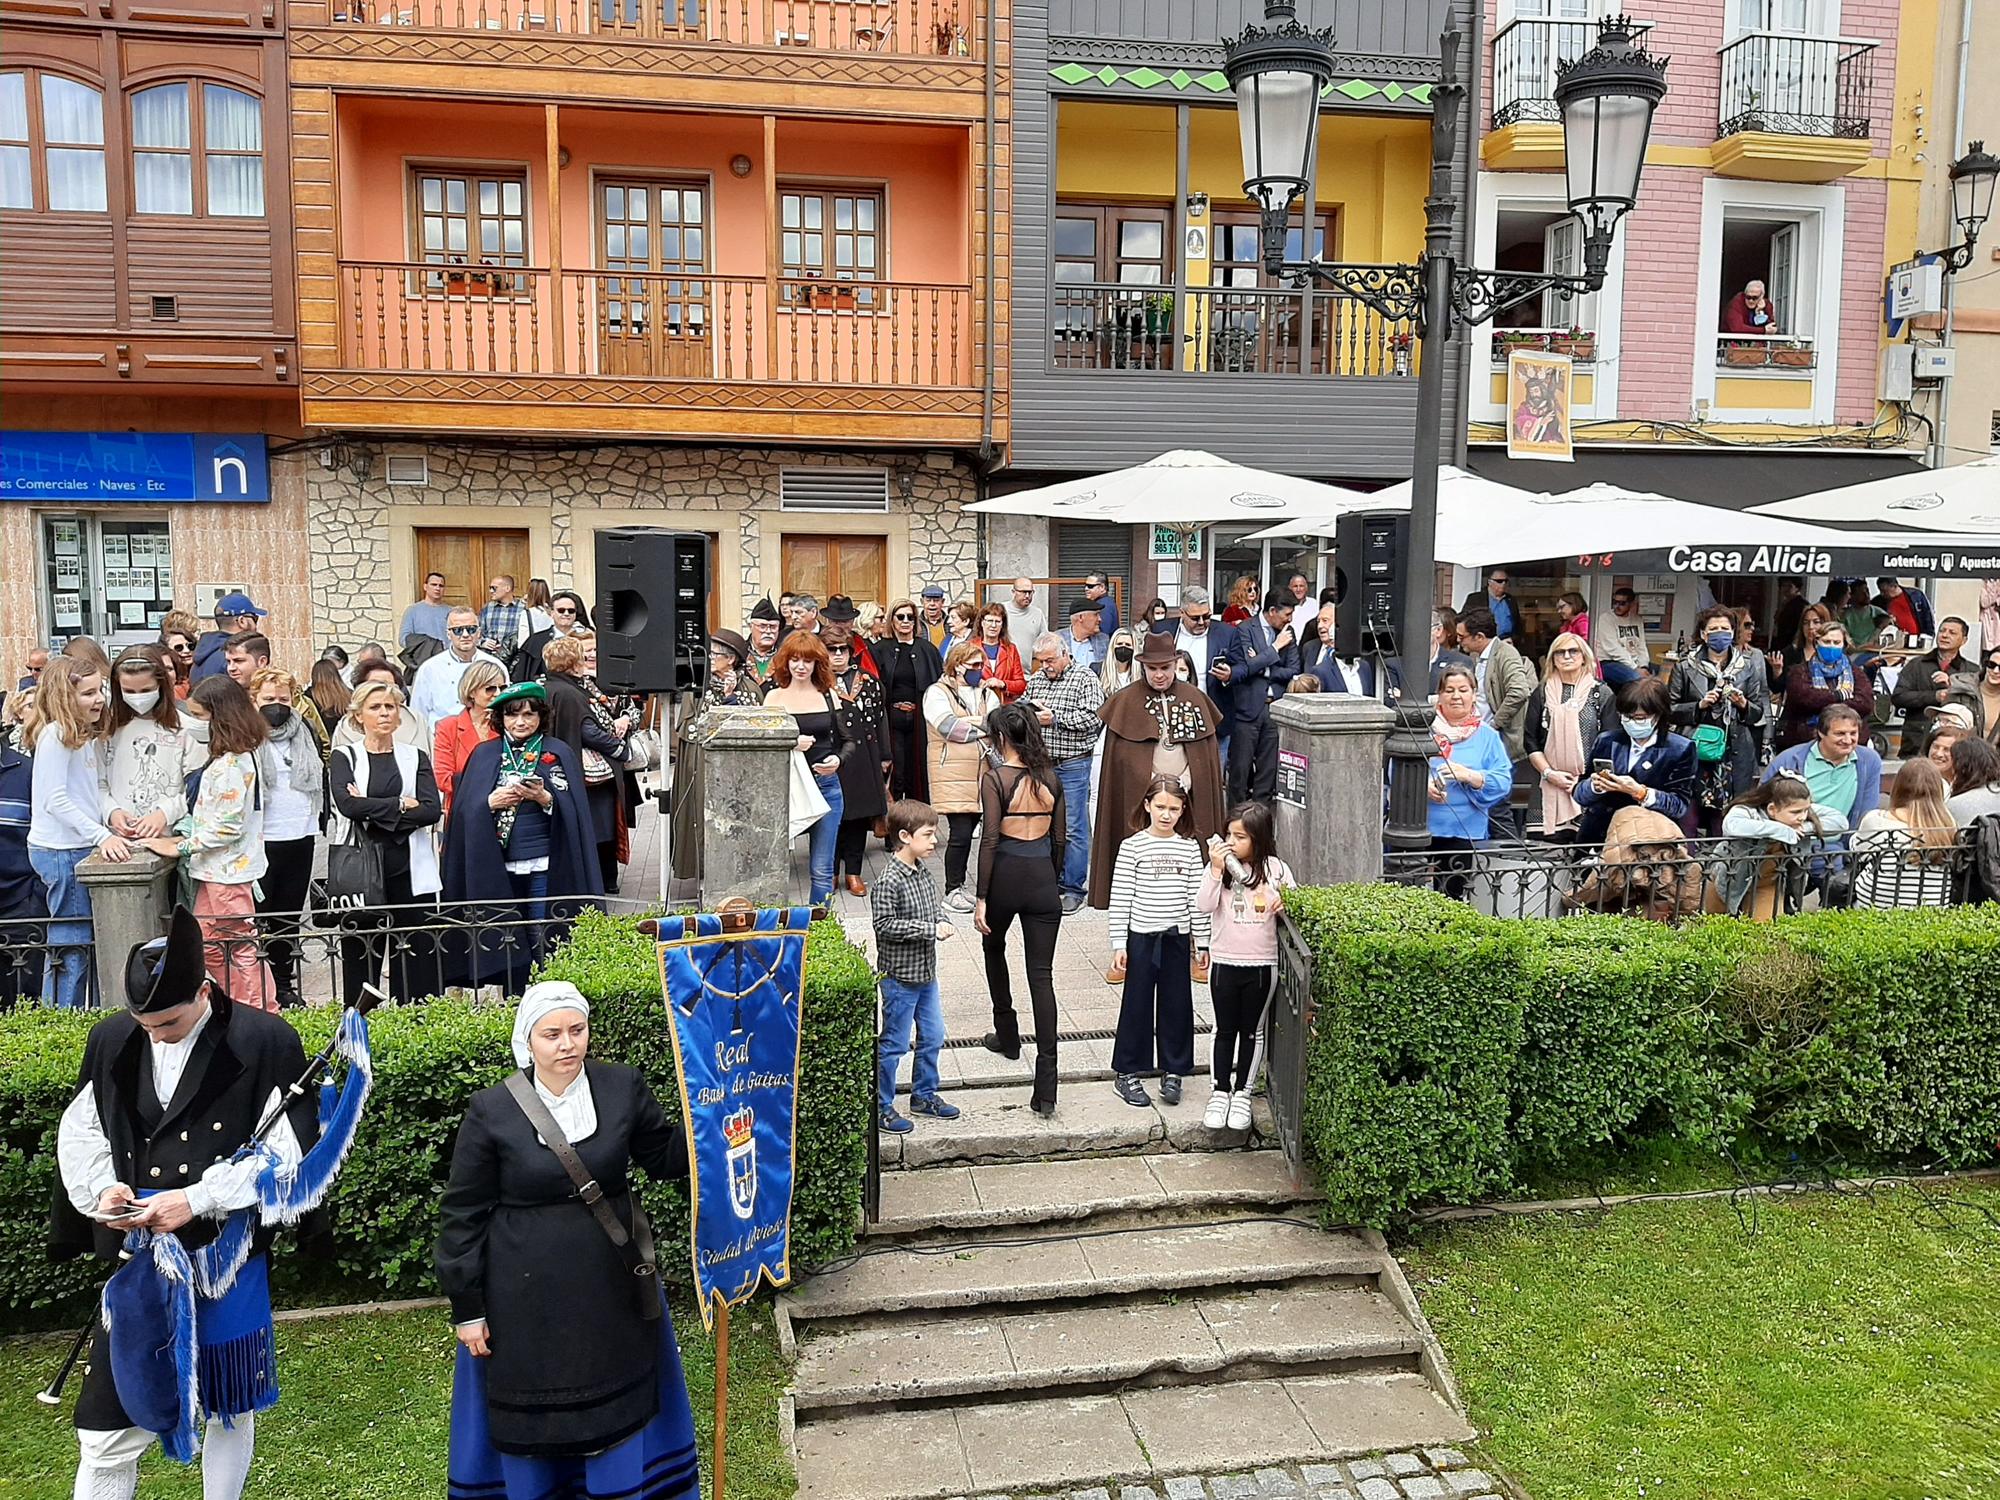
point(1078, 1060)
point(1038, 1192)
point(995, 1124)
point(1058, 1267)
point(1041, 1444)
point(952, 1355)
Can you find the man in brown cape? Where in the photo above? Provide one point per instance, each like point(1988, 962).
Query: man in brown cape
point(1158, 724)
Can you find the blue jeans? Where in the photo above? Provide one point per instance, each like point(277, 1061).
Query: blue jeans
point(823, 837)
point(1617, 674)
point(67, 981)
point(1075, 778)
point(902, 1005)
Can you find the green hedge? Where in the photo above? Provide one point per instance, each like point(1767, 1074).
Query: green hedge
point(1453, 1052)
point(429, 1059)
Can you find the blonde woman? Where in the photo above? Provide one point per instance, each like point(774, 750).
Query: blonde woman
point(1902, 852)
point(1121, 666)
point(64, 731)
point(1565, 716)
point(956, 707)
point(294, 807)
point(457, 737)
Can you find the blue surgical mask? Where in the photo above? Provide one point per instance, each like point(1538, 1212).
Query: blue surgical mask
point(1638, 731)
point(972, 675)
point(1721, 640)
point(1831, 655)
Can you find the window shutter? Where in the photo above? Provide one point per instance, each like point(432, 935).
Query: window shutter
point(1084, 547)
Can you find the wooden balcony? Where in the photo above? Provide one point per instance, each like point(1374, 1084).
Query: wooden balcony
point(896, 58)
point(478, 348)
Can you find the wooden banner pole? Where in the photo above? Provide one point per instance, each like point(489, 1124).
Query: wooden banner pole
point(716, 1490)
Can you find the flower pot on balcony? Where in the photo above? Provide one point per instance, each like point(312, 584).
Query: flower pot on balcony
point(1745, 356)
point(830, 298)
point(1576, 347)
point(1792, 358)
point(1506, 343)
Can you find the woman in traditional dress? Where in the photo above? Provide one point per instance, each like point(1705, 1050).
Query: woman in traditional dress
point(569, 1381)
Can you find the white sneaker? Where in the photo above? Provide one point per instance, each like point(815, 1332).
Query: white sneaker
point(960, 900)
point(1217, 1114)
point(1239, 1110)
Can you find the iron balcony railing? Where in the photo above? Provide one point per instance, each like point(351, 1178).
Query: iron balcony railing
point(1526, 54)
point(1206, 330)
point(1798, 85)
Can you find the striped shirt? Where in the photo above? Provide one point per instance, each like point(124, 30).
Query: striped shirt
point(1154, 886)
point(903, 903)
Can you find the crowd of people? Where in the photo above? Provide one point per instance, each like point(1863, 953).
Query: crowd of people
point(479, 777)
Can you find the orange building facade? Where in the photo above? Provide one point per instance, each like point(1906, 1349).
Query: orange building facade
point(563, 265)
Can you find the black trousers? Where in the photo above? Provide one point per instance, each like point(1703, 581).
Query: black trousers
point(1026, 887)
point(607, 864)
point(413, 958)
point(959, 828)
point(906, 752)
point(850, 847)
point(285, 886)
point(1242, 994)
point(1253, 760)
point(1451, 861)
point(1156, 1017)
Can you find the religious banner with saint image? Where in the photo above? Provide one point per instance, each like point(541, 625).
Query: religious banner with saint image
point(1538, 405)
point(734, 983)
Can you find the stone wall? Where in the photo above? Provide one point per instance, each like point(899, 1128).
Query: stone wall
point(364, 547)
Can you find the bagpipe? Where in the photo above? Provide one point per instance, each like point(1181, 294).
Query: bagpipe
point(147, 1304)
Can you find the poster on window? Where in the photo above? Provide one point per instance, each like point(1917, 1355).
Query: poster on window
point(69, 573)
point(69, 611)
point(131, 615)
point(66, 538)
point(1538, 406)
point(116, 552)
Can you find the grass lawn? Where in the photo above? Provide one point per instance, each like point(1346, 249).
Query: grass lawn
point(366, 1409)
point(1845, 1348)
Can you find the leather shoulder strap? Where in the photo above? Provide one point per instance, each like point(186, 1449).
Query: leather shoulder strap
point(552, 1136)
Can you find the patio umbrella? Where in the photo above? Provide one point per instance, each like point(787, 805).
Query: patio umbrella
point(1185, 486)
point(1964, 498)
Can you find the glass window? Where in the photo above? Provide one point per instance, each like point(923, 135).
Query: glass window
point(172, 125)
point(476, 218)
point(832, 234)
point(17, 172)
point(233, 137)
point(61, 122)
point(162, 150)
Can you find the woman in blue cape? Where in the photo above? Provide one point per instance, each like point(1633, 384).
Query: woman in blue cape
point(519, 850)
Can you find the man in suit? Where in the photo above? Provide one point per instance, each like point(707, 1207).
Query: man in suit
point(1649, 767)
point(1264, 658)
point(1495, 601)
point(1207, 641)
point(1505, 679)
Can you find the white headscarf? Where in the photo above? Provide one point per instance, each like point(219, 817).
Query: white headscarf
point(574, 1111)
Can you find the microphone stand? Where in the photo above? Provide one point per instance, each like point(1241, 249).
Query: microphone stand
point(370, 997)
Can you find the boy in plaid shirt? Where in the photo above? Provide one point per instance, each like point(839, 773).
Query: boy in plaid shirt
point(909, 924)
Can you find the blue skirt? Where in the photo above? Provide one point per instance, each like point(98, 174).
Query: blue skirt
point(658, 1462)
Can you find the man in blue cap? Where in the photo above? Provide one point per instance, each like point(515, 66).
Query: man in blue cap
point(234, 615)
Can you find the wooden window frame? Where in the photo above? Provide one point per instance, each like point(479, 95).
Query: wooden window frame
point(500, 284)
point(37, 142)
point(1108, 212)
point(791, 273)
point(1240, 218)
point(695, 299)
point(198, 150)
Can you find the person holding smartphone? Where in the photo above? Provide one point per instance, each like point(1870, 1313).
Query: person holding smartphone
point(1471, 775)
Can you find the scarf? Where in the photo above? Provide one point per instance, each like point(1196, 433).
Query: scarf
point(1445, 736)
point(309, 786)
point(517, 763)
point(1840, 679)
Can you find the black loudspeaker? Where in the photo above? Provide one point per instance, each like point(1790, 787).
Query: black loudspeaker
point(1371, 549)
point(652, 610)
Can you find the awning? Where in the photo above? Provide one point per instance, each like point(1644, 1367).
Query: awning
point(1734, 478)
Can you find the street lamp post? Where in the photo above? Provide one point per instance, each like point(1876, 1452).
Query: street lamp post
point(1607, 98)
point(1972, 178)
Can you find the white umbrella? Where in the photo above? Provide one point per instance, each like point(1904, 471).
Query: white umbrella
point(1964, 498)
point(1184, 486)
point(1459, 490)
point(1481, 521)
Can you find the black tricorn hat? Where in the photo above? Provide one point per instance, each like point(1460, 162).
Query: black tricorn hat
point(765, 610)
point(168, 971)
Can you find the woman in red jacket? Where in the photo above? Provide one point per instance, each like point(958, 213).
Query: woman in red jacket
point(1003, 658)
point(461, 734)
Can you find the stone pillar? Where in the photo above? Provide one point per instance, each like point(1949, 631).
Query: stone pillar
point(746, 779)
point(1329, 804)
point(128, 906)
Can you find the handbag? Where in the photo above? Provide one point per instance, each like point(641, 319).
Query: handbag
point(1711, 743)
point(596, 769)
point(808, 802)
point(636, 1248)
point(642, 751)
point(354, 875)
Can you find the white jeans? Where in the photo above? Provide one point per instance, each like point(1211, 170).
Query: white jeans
point(108, 1466)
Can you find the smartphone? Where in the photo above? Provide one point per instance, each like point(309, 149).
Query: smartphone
point(121, 1216)
point(534, 783)
point(1601, 768)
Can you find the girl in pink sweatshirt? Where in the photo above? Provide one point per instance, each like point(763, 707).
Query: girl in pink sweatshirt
point(1242, 890)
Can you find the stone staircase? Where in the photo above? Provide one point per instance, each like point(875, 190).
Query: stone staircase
point(1112, 1294)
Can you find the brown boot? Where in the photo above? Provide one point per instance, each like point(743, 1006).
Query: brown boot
point(856, 886)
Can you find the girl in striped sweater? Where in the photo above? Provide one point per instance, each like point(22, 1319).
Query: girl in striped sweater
point(1153, 919)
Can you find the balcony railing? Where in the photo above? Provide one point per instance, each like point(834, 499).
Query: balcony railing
point(1737, 352)
point(1225, 331)
point(506, 321)
point(1526, 53)
point(919, 28)
point(1798, 85)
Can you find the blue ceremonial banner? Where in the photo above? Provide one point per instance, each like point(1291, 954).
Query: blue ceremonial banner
point(733, 987)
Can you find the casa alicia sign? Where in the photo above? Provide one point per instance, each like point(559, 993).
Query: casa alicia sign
point(1914, 557)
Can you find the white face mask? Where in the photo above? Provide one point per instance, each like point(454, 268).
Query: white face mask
point(141, 703)
point(197, 729)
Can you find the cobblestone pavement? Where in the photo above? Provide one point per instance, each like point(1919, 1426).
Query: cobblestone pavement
point(1427, 1474)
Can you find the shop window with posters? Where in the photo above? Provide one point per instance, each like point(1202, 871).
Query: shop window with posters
point(106, 577)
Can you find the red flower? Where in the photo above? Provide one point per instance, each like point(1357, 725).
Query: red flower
point(548, 759)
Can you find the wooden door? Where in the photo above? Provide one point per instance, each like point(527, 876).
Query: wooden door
point(857, 566)
point(653, 305)
point(471, 559)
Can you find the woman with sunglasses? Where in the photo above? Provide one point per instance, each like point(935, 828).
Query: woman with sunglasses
point(909, 664)
point(1565, 715)
point(1985, 704)
point(858, 701)
point(178, 633)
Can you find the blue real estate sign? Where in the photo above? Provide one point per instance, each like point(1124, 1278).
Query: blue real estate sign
point(80, 468)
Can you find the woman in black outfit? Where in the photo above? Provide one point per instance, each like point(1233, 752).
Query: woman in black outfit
point(802, 685)
point(575, 718)
point(386, 794)
point(1020, 855)
point(909, 664)
point(862, 774)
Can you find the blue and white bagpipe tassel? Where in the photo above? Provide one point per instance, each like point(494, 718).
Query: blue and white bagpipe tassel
point(148, 1308)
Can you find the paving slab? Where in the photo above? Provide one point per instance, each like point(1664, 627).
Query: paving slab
point(1034, 1191)
point(1265, 1250)
point(1012, 1445)
point(898, 1280)
point(1302, 1323)
point(1240, 1176)
point(1366, 1413)
point(910, 1454)
point(928, 1199)
point(1210, 1427)
point(1184, 1131)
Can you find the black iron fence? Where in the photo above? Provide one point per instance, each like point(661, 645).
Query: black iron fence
point(1797, 85)
point(1291, 1030)
point(1670, 879)
point(28, 960)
